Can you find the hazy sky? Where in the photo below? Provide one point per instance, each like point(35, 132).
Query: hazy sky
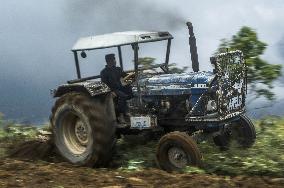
point(36, 37)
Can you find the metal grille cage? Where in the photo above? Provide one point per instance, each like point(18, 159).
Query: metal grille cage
point(232, 84)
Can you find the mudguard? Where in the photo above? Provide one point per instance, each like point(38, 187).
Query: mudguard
point(93, 88)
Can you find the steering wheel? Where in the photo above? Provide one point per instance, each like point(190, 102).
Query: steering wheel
point(129, 79)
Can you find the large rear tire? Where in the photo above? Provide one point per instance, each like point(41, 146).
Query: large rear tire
point(176, 150)
point(84, 128)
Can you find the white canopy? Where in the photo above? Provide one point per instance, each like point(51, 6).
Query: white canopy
point(119, 39)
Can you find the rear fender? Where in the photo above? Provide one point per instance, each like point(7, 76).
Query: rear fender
point(91, 88)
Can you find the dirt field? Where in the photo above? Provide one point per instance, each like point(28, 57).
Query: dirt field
point(23, 173)
point(35, 164)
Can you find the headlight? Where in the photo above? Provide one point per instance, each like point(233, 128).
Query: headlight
point(211, 105)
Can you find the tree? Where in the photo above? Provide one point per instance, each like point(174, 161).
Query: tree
point(261, 74)
point(147, 62)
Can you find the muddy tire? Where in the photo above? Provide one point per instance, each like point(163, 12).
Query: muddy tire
point(84, 128)
point(176, 150)
point(245, 132)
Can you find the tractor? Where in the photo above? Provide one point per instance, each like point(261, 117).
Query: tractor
point(181, 108)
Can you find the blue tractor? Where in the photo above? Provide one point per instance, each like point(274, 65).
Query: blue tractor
point(181, 108)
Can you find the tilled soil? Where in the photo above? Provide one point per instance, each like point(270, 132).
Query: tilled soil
point(28, 173)
point(35, 164)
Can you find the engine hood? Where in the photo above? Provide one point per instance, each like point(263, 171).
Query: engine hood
point(176, 84)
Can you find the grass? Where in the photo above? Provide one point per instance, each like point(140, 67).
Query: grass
point(266, 157)
point(15, 132)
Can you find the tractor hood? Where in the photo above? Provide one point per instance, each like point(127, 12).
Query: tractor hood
point(176, 84)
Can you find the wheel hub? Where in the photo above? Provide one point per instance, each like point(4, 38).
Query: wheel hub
point(81, 132)
point(178, 157)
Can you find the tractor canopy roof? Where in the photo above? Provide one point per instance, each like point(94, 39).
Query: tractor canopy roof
point(119, 39)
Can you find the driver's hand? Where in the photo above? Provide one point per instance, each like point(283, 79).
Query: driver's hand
point(113, 94)
point(129, 75)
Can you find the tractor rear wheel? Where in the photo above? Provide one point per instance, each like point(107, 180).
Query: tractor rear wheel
point(84, 128)
point(176, 150)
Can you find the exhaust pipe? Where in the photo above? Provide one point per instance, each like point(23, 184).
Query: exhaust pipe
point(193, 48)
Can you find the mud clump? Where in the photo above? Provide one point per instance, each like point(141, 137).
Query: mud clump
point(33, 150)
point(28, 143)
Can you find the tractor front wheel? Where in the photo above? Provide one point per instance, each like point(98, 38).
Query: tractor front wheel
point(244, 131)
point(176, 150)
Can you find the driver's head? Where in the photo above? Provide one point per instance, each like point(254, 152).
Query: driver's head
point(110, 60)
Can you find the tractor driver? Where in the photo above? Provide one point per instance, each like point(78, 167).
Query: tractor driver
point(111, 75)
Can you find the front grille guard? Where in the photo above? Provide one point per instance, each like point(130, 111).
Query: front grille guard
point(232, 84)
point(231, 80)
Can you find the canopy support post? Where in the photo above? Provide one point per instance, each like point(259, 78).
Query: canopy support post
point(120, 57)
point(136, 48)
point(77, 64)
point(168, 55)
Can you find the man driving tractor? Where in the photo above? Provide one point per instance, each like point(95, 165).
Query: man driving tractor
point(113, 76)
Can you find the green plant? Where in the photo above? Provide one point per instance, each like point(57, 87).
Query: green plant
point(147, 62)
point(261, 74)
point(266, 157)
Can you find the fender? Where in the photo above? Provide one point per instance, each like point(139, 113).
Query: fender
point(93, 88)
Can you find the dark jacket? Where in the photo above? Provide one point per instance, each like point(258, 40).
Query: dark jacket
point(111, 77)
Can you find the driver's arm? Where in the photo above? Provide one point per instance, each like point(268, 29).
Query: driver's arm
point(123, 74)
point(104, 77)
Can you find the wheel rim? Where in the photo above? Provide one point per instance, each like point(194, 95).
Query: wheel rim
point(178, 157)
point(75, 133)
point(81, 132)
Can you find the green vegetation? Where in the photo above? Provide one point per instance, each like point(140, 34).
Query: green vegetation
point(148, 62)
point(261, 74)
point(15, 133)
point(266, 157)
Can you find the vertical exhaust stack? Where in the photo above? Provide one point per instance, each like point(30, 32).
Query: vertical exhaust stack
point(193, 48)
